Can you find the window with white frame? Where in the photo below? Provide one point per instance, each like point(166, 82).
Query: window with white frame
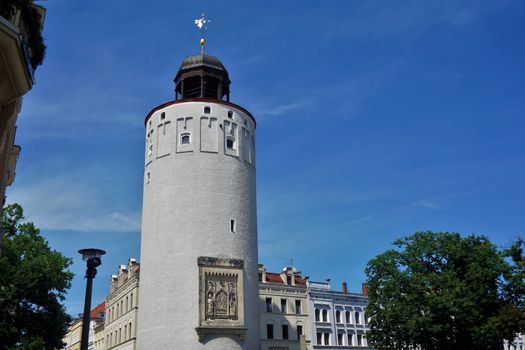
point(185, 138)
point(269, 305)
point(325, 315)
point(298, 307)
point(230, 142)
point(283, 306)
point(323, 338)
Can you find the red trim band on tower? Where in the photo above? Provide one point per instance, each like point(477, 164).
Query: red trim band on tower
point(199, 99)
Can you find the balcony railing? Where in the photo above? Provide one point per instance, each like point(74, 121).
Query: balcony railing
point(28, 18)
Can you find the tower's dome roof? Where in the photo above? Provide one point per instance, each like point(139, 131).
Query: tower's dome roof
point(202, 76)
point(200, 60)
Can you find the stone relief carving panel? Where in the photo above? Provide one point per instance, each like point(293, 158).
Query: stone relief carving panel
point(221, 298)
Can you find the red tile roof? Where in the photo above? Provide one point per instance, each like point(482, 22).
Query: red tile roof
point(300, 281)
point(95, 313)
point(274, 278)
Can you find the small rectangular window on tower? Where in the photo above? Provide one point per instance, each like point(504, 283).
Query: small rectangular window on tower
point(162, 116)
point(232, 226)
point(207, 110)
point(230, 143)
point(185, 138)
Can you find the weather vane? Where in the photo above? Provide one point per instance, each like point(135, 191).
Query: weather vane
point(201, 24)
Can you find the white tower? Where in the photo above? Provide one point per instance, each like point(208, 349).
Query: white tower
point(199, 278)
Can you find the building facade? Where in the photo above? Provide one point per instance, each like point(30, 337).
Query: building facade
point(72, 338)
point(283, 308)
point(99, 337)
point(120, 326)
point(337, 319)
point(199, 218)
point(517, 344)
point(21, 51)
point(74, 333)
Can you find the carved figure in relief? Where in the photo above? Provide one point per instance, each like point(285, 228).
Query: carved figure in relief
point(210, 300)
point(232, 300)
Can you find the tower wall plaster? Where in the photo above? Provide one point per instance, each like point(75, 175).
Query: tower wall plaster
point(192, 191)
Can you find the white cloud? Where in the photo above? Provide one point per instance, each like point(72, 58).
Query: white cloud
point(377, 19)
point(279, 110)
point(426, 203)
point(65, 204)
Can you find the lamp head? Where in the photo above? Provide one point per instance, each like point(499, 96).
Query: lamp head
point(92, 254)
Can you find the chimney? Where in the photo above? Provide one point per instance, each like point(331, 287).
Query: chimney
point(114, 282)
point(364, 288)
point(345, 288)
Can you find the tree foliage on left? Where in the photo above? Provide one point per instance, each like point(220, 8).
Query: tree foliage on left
point(33, 282)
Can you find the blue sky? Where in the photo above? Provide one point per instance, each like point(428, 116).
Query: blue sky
point(376, 119)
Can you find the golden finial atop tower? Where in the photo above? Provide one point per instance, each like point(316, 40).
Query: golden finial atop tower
point(201, 24)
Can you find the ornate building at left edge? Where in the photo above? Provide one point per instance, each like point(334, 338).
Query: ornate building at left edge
point(21, 52)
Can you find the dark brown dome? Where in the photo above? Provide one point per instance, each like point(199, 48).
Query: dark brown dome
point(202, 75)
point(202, 59)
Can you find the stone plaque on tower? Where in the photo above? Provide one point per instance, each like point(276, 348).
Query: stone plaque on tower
point(221, 297)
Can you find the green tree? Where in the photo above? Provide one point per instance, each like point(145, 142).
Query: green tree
point(33, 282)
point(447, 292)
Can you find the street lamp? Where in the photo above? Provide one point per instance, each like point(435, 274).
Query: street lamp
point(92, 257)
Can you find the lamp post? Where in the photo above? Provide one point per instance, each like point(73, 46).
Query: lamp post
point(92, 258)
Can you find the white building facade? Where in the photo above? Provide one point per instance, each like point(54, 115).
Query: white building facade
point(199, 218)
point(283, 307)
point(517, 344)
point(337, 319)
